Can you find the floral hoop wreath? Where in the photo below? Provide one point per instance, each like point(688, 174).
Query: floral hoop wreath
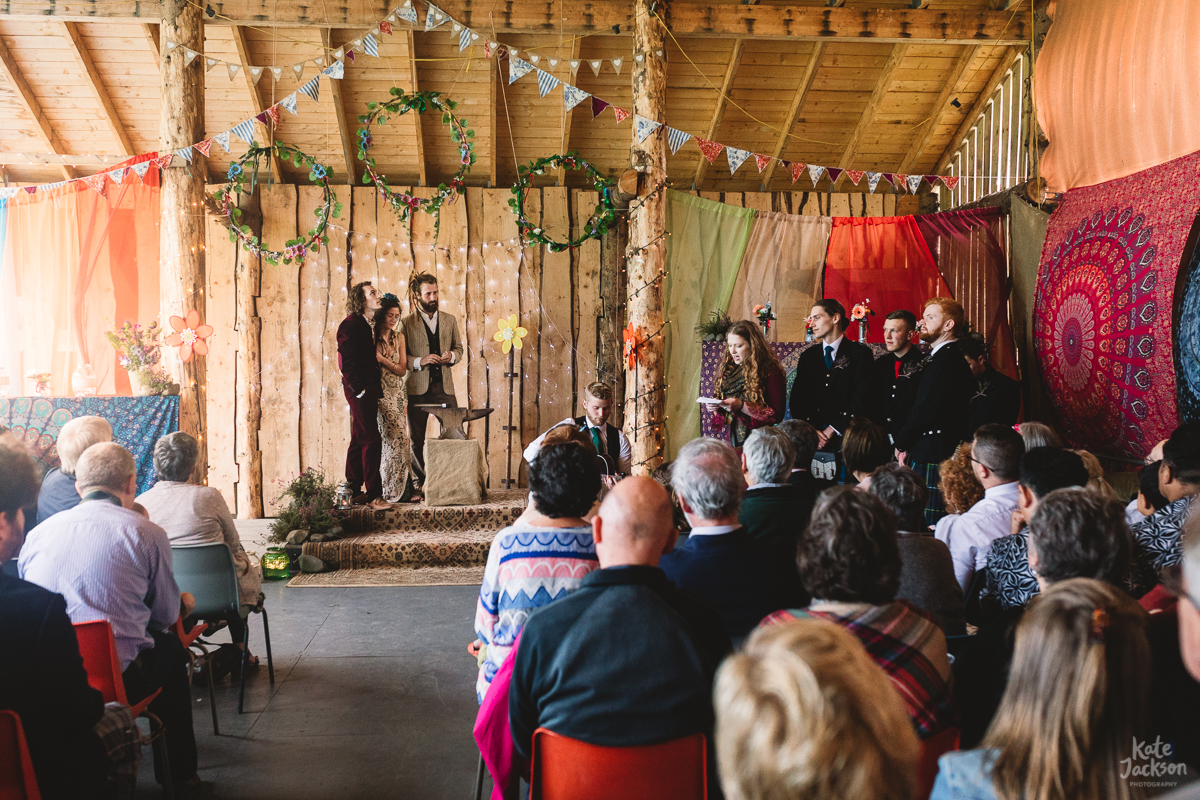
point(231, 215)
point(597, 225)
point(401, 103)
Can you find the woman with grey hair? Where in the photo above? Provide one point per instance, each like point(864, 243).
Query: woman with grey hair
point(192, 515)
point(58, 487)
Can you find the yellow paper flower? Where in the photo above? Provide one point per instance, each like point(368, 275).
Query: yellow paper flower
point(509, 333)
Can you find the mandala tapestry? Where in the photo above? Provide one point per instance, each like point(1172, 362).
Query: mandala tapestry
point(1102, 314)
point(1187, 340)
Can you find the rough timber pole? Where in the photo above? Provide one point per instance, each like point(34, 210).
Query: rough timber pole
point(645, 392)
point(181, 232)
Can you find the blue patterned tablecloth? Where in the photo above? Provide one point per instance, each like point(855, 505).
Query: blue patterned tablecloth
point(137, 423)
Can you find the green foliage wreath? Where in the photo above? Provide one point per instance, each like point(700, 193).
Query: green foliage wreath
point(602, 218)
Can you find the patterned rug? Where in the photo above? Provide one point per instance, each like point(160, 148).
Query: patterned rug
point(411, 549)
point(1102, 313)
point(391, 576)
point(499, 509)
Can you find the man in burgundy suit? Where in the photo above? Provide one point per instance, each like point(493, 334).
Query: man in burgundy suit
point(361, 383)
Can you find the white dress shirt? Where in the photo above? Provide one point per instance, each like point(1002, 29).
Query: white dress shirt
point(970, 535)
point(624, 459)
point(939, 346)
point(713, 530)
point(414, 363)
point(837, 345)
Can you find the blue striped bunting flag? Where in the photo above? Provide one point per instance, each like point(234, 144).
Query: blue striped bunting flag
point(464, 39)
point(311, 89)
point(371, 46)
point(676, 139)
point(245, 130)
point(546, 82)
point(186, 152)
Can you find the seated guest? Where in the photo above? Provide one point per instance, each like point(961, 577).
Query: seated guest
point(996, 460)
point(540, 558)
point(626, 659)
point(1077, 698)
point(1075, 533)
point(926, 571)
point(959, 487)
point(41, 673)
point(1038, 434)
point(1149, 499)
point(662, 474)
point(721, 562)
point(58, 487)
point(610, 441)
point(1096, 480)
point(802, 712)
point(193, 515)
point(850, 561)
point(1156, 538)
point(895, 374)
point(750, 384)
point(865, 448)
point(804, 441)
point(109, 562)
point(997, 397)
point(772, 507)
point(1008, 581)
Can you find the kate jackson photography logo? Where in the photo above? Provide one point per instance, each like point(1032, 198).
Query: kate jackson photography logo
point(1151, 765)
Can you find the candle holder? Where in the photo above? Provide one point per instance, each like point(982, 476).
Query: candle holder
point(275, 564)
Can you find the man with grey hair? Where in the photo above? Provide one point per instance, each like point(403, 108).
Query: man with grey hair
point(58, 487)
point(109, 562)
point(720, 562)
point(773, 508)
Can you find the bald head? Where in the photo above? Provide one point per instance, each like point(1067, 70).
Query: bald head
point(635, 524)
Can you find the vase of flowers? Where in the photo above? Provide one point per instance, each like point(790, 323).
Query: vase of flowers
point(861, 313)
point(808, 330)
point(137, 352)
point(765, 317)
point(41, 383)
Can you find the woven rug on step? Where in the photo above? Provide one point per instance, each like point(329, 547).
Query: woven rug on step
point(408, 549)
point(391, 576)
point(498, 510)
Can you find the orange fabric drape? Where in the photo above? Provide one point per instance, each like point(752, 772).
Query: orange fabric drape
point(884, 260)
point(1117, 88)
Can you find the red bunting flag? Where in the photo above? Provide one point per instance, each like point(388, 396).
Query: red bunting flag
point(598, 105)
point(890, 178)
point(761, 161)
point(855, 175)
point(205, 146)
point(487, 48)
point(96, 182)
point(710, 149)
point(385, 27)
point(621, 113)
point(834, 174)
point(899, 181)
point(350, 54)
point(273, 113)
point(951, 181)
point(798, 170)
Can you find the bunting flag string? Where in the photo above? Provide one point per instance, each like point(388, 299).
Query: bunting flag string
point(761, 161)
point(620, 113)
point(873, 180)
point(546, 82)
point(644, 126)
point(814, 173)
point(677, 139)
point(736, 158)
point(598, 106)
point(573, 96)
point(797, 170)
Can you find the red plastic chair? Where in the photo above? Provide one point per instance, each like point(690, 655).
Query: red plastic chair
point(17, 781)
point(568, 769)
point(932, 749)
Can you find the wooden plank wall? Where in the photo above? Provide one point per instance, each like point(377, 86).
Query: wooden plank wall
point(482, 275)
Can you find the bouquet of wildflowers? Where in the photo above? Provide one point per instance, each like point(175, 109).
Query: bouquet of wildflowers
point(764, 315)
point(861, 312)
point(137, 347)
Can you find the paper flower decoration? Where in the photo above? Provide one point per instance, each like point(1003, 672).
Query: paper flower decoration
point(189, 336)
point(508, 333)
point(633, 340)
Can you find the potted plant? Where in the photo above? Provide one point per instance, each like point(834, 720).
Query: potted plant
point(137, 352)
point(715, 327)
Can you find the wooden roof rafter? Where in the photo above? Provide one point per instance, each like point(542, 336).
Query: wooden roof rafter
point(735, 61)
point(150, 31)
point(1006, 63)
point(12, 72)
point(257, 101)
point(565, 138)
point(79, 48)
point(793, 113)
point(868, 114)
point(941, 107)
point(339, 110)
point(419, 132)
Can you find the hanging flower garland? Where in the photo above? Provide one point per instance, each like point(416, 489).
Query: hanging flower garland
point(602, 218)
point(243, 178)
point(404, 203)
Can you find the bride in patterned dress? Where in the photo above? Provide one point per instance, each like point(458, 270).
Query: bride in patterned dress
point(395, 462)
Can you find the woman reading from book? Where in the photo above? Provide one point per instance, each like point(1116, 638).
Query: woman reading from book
point(750, 383)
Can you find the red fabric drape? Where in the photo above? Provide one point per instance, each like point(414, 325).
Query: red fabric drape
point(882, 259)
point(969, 250)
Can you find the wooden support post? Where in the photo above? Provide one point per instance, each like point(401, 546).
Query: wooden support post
point(645, 394)
point(248, 279)
point(181, 232)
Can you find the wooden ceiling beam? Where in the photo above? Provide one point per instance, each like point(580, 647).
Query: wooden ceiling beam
point(596, 17)
point(335, 91)
point(941, 107)
point(1006, 63)
point(868, 114)
point(789, 122)
point(735, 60)
point(42, 126)
point(79, 49)
point(565, 143)
point(257, 101)
point(419, 131)
point(150, 31)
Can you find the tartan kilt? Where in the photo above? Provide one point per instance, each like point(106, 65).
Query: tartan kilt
point(935, 506)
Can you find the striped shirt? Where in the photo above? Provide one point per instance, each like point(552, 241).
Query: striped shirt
point(108, 563)
point(527, 568)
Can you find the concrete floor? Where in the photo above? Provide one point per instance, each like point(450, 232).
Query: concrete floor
point(374, 698)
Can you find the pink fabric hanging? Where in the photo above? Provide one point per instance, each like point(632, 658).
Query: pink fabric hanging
point(493, 733)
point(882, 259)
point(968, 247)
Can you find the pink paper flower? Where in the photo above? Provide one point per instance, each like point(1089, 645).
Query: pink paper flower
point(189, 335)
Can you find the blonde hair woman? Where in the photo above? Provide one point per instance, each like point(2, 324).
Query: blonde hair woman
point(1077, 693)
point(803, 712)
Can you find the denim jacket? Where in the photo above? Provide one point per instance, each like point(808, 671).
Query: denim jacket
point(965, 775)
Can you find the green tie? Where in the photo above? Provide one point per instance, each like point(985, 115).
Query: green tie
point(596, 440)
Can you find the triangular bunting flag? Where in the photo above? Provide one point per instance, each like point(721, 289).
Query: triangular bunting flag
point(289, 103)
point(222, 139)
point(298, 69)
point(797, 170)
point(209, 63)
point(598, 106)
point(171, 45)
point(814, 173)
point(898, 180)
point(834, 174)
point(596, 66)
point(277, 72)
point(164, 161)
point(914, 183)
point(186, 153)
point(312, 88)
point(518, 68)
point(204, 146)
point(96, 182)
point(736, 158)
point(140, 169)
point(350, 54)
point(464, 39)
point(620, 113)
point(761, 161)
point(534, 57)
point(244, 130)
point(873, 180)
point(573, 96)
point(384, 27)
point(644, 127)
point(255, 74)
point(434, 17)
point(676, 139)
point(933, 179)
point(574, 65)
point(30, 189)
point(710, 149)
point(336, 71)
point(890, 178)
point(263, 117)
point(487, 48)
point(273, 113)
point(546, 82)
point(189, 57)
point(951, 181)
point(855, 175)
point(617, 62)
point(409, 15)
point(233, 70)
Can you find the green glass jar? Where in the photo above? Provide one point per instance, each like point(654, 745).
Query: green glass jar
point(275, 564)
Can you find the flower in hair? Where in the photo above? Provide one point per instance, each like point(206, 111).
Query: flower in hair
point(1100, 622)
